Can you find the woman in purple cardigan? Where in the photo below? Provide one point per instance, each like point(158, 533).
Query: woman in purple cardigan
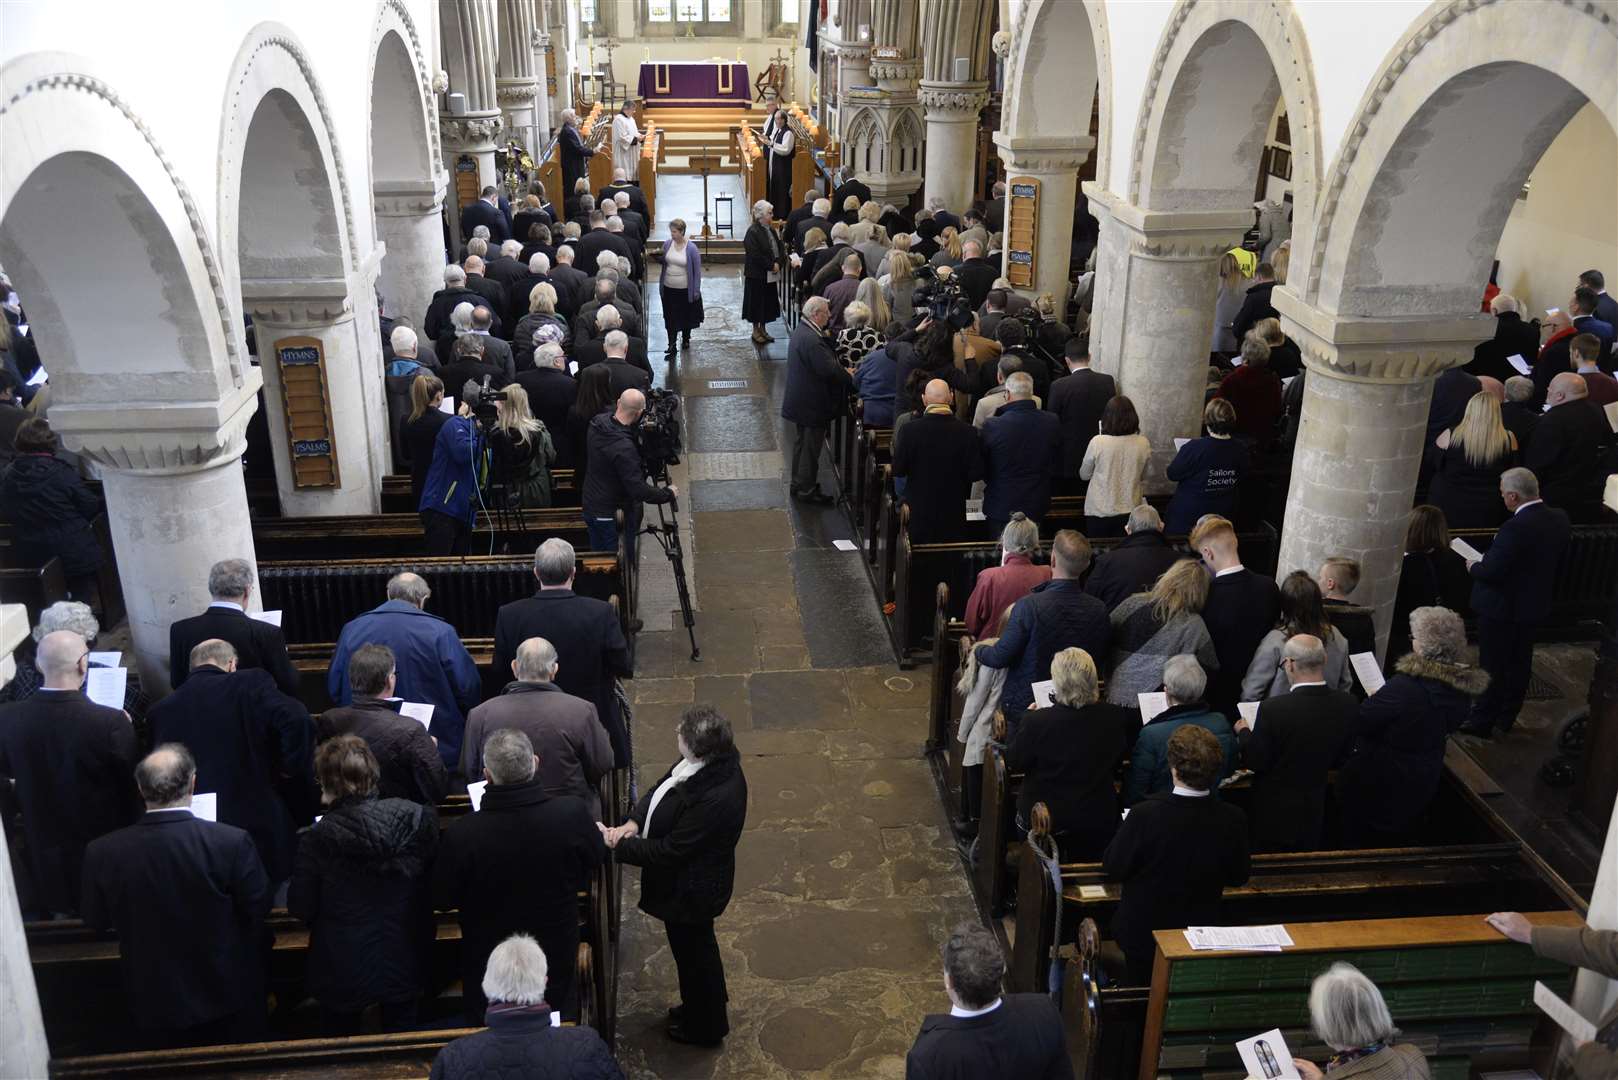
point(680, 286)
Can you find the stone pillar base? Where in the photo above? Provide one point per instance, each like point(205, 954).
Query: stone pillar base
point(409, 223)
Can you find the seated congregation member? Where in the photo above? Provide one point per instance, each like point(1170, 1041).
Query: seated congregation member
point(1020, 447)
point(816, 393)
point(67, 762)
point(1242, 607)
point(1432, 574)
point(1469, 460)
point(50, 508)
point(431, 664)
point(1255, 391)
point(1114, 463)
point(448, 506)
point(1299, 737)
point(517, 866)
point(1208, 471)
point(519, 1039)
point(1575, 946)
point(1079, 399)
point(1176, 852)
point(405, 753)
point(1347, 1013)
point(1302, 612)
point(1067, 754)
point(998, 587)
point(258, 644)
point(938, 457)
point(419, 434)
point(591, 652)
point(252, 746)
point(1150, 627)
point(360, 885)
point(876, 381)
point(683, 836)
point(1050, 618)
point(987, 1035)
point(572, 744)
point(1134, 565)
point(187, 899)
point(551, 393)
point(1566, 453)
point(1397, 757)
point(1185, 685)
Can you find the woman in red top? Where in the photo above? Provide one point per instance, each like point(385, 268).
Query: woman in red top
point(1255, 390)
point(1001, 586)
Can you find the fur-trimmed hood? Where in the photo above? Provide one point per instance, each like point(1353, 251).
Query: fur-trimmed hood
point(1468, 680)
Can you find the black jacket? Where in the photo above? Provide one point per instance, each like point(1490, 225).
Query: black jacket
point(73, 765)
point(410, 763)
point(478, 212)
point(1020, 446)
point(760, 251)
point(258, 644)
point(1514, 580)
point(1566, 456)
point(977, 278)
point(1068, 757)
point(1355, 623)
point(1052, 617)
point(494, 298)
point(420, 437)
point(517, 867)
point(188, 899)
point(551, 393)
point(1241, 608)
point(687, 852)
point(795, 229)
point(593, 243)
point(1078, 399)
point(1426, 579)
point(444, 301)
point(572, 288)
point(519, 292)
point(590, 648)
point(584, 327)
point(1512, 337)
point(1021, 1040)
point(361, 886)
point(1131, 567)
point(52, 511)
point(637, 197)
point(466, 370)
point(1520, 418)
point(11, 418)
point(1174, 855)
point(1255, 306)
point(1300, 736)
point(939, 458)
point(817, 385)
point(616, 480)
point(594, 351)
point(1468, 494)
point(1451, 392)
point(1208, 475)
point(848, 187)
point(254, 746)
point(523, 1044)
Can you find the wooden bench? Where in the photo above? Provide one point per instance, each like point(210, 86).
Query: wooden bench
point(396, 498)
point(1586, 578)
point(108, 583)
point(35, 588)
point(401, 535)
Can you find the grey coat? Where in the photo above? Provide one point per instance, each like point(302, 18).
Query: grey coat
point(1141, 646)
point(1266, 679)
point(573, 747)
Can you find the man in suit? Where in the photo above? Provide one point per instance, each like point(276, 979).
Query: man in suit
point(623, 184)
point(589, 325)
point(987, 1035)
point(798, 217)
point(1518, 412)
point(850, 185)
point(468, 365)
point(486, 211)
point(1582, 307)
point(492, 292)
point(1511, 597)
point(551, 393)
point(1020, 447)
point(636, 230)
point(819, 217)
point(253, 745)
point(506, 269)
point(1256, 305)
point(1136, 563)
point(67, 761)
point(994, 211)
point(1242, 607)
point(597, 240)
point(405, 753)
point(572, 284)
point(1299, 737)
point(1606, 306)
point(624, 357)
point(976, 273)
point(840, 293)
point(519, 294)
point(445, 301)
point(1078, 399)
point(992, 313)
point(817, 390)
point(590, 646)
point(187, 898)
point(938, 457)
point(433, 666)
point(496, 351)
point(1583, 353)
point(1566, 452)
point(258, 644)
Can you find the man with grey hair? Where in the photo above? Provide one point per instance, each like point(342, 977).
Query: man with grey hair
point(518, 865)
point(1185, 685)
point(635, 228)
point(171, 878)
point(591, 651)
point(551, 393)
point(600, 237)
point(504, 267)
point(1511, 595)
point(613, 351)
point(987, 1034)
point(1518, 413)
point(1567, 454)
point(519, 1040)
point(572, 284)
point(1513, 336)
point(76, 616)
point(433, 667)
point(1008, 365)
point(66, 761)
point(819, 218)
point(1296, 739)
point(587, 325)
point(455, 291)
point(1021, 445)
point(617, 270)
point(1136, 563)
point(816, 392)
point(405, 754)
point(258, 644)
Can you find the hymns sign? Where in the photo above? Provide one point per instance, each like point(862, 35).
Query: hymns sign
point(306, 403)
point(1022, 231)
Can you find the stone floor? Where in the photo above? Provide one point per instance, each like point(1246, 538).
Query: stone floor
point(846, 879)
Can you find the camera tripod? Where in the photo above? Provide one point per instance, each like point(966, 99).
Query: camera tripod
point(667, 534)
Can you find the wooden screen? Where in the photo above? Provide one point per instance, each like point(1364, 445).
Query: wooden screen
point(307, 405)
point(1022, 231)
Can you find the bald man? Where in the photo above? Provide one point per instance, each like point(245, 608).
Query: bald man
point(616, 480)
point(939, 457)
point(1566, 451)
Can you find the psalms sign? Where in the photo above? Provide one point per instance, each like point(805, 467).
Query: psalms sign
point(1022, 231)
point(306, 404)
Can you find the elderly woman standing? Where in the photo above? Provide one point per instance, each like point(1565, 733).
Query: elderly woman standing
point(858, 336)
point(1068, 754)
point(761, 270)
point(1347, 1012)
point(1398, 755)
point(683, 837)
point(680, 287)
point(541, 312)
point(575, 152)
point(77, 617)
point(1150, 627)
point(999, 587)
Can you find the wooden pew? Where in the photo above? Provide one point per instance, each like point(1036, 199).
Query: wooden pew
point(108, 583)
point(396, 492)
point(35, 588)
point(400, 535)
point(1586, 578)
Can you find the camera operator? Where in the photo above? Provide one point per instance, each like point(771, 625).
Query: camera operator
point(616, 479)
point(448, 504)
point(470, 367)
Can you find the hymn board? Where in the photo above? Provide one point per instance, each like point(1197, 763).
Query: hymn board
point(1022, 230)
point(307, 405)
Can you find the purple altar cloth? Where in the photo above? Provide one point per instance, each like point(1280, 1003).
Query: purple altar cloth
point(695, 82)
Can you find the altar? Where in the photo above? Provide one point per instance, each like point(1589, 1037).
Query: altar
point(719, 83)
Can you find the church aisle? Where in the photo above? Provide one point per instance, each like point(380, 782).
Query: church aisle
point(846, 878)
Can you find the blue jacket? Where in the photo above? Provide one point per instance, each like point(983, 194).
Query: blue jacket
point(1514, 581)
point(432, 664)
point(1209, 472)
point(1149, 761)
point(451, 486)
point(877, 383)
point(1021, 443)
point(1053, 617)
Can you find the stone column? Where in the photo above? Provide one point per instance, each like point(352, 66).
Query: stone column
point(471, 45)
point(515, 85)
point(1154, 312)
point(542, 99)
point(1367, 386)
point(952, 137)
point(23, 1049)
point(1055, 163)
point(409, 224)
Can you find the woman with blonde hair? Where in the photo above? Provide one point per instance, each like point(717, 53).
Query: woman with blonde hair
point(1286, 360)
point(522, 451)
point(1235, 267)
point(869, 293)
point(900, 242)
point(857, 337)
point(541, 312)
point(419, 435)
point(1280, 260)
point(815, 250)
point(949, 248)
point(1469, 459)
point(899, 284)
point(1150, 627)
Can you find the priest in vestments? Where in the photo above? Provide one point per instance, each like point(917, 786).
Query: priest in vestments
point(626, 142)
point(781, 141)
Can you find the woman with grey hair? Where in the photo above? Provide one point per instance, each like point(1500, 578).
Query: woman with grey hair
point(999, 587)
point(761, 269)
point(1397, 759)
point(75, 616)
point(1347, 1012)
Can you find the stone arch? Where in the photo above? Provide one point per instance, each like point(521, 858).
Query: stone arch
point(399, 67)
point(1059, 51)
point(1465, 83)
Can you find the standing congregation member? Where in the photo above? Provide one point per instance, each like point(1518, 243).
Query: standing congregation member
point(405, 753)
point(1114, 465)
point(998, 587)
point(1339, 576)
point(1470, 458)
point(575, 152)
point(51, 510)
point(1242, 607)
point(258, 644)
point(1150, 627)
point(816, 393)
point(1079, 399)
point(1566, 451)
point(761, 303)
point(937, 460)
point(1575, 946)
point(1302, 612)
point(420, 433)
point(1020, 447)
point(1432, 573)
point(683, 836)
point(680, 286)
point(1134, 565)
point(187, 899)
point(1255, 392)
point(1185, 686)
point(1208, 471)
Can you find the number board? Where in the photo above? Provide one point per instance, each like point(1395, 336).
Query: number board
point(467, 184)
point(1022, 230)
point(307, 405)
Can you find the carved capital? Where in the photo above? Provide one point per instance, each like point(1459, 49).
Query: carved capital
point(540, 40)
point(408, 200)
point(1362, 349)
point(953, 100)
point(1158, 234)
point(515, 93)
point(905, 72)
point(157, 439)
point(299, 303)
point(1048, 155)
point(1001, 43)
point(472, 132)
